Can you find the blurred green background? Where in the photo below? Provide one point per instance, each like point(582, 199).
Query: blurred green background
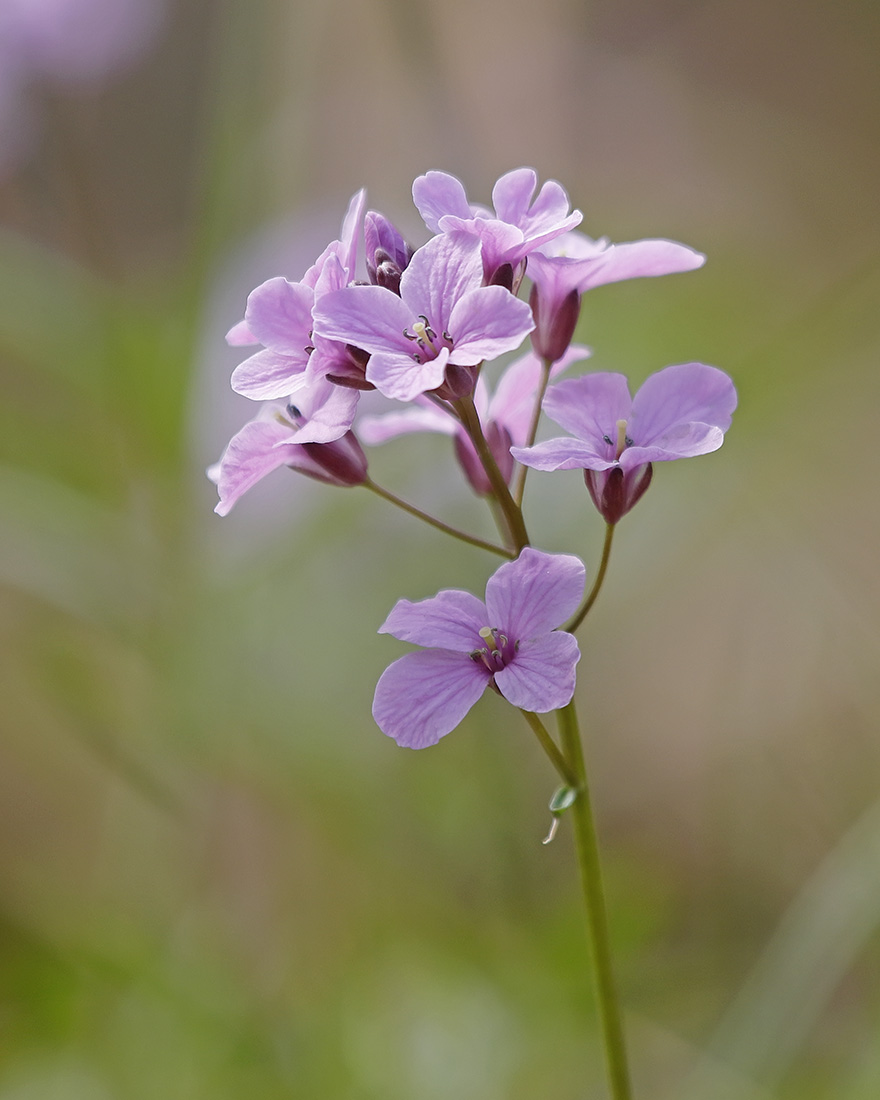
point(217, 878)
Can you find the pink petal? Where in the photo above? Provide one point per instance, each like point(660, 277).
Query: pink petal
point(589, 407)
point(679, 395)
point(535, 593)
point(268, 375)
point(251, 454)
point(369, 317)
point(438, 193)
point(400, 377)
point(279, 314)
point(486, 323)
point(450, 620)
point(512, 194)
point(438, 275)
point(541, 677)
point(562, 454)
point(423, 696)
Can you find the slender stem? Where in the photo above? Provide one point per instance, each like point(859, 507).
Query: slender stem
point(551, 749)
point(519, 486)
point(439, 524)
point(513, 516)
point(597, 583)
point(594, 902)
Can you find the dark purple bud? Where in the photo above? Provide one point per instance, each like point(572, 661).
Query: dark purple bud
point(499, 442)
point(458, 382)
point(341, 462)
point(614, 492)
point(508, 275)
point(352, 371)
point(554, 323)
point(387, 253)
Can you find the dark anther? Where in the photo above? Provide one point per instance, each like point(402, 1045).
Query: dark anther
point(607, 438)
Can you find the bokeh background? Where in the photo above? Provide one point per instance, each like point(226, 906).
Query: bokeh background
point(217, 878)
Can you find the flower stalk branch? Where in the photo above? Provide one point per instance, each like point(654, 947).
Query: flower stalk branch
point(462, 536)
point(557, 759)
point(597, 583)
point(512, 512)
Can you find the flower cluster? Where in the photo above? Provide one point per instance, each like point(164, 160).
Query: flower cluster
point(416, 325)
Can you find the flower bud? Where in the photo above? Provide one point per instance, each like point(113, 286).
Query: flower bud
point(341, 462)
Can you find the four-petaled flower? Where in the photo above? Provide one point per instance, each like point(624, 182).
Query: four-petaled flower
point(509, 642)
point(442, 317)
point(518, 227)
point(679, 412)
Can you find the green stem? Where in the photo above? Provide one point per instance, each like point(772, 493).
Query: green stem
point(513, 516)
point(439, 524)
point(551, 749)
point(597, 583)
point(594, 902)
point(520, 483)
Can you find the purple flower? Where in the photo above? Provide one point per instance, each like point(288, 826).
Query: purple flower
point(679, 412)
point(508, 642)
point(279, 316)
point(443, 317)
point(310, 436)
point(573, 264)
point(505, 417)
point(518, 227)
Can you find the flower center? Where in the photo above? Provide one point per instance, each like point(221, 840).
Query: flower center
point(498, 650)
point(426, 338)
point(622, 442)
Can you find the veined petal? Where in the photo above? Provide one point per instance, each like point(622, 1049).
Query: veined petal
point(512, 194)
point(328, 412)
point(268, 375)
point(685, 441)
point(438, 193)
point(639, 259)
point(562, 454)
point(252, 453)
point(590, 407)
point(279, 314)
point(369, 317)
point(423, 696)
point(679, 395)
point(486, 323)
point(438, 275)
point(450, 620)
point(535, 593)
point(542, 675)
point(400, 377)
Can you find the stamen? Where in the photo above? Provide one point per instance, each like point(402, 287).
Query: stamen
point(488, 636)
point(622, 439)
point(424, 333)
